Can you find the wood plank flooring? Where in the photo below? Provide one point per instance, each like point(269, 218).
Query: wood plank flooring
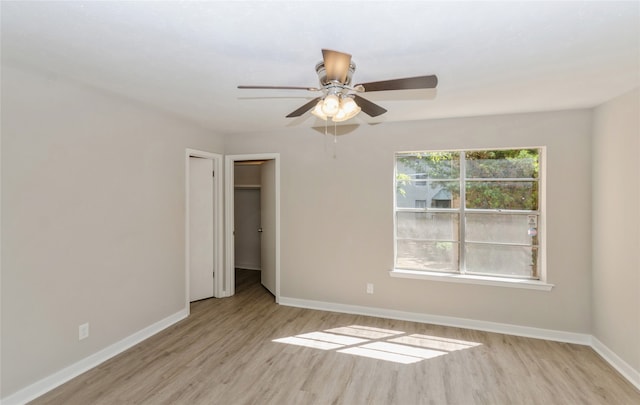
point(248, 350)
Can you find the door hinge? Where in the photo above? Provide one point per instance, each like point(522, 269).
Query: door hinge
point(213, 173)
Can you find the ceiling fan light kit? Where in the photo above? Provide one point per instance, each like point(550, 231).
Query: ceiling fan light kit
point(339, 100)
point(348, 109)
point(337, 108)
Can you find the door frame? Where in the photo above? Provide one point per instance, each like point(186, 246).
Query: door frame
point(218, 228)
point(229, 177)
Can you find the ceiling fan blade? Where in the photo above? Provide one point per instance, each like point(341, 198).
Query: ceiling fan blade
point(336, 64)
point(304, 108)
point(368, 107)
point(408, 83)
point(280, 88)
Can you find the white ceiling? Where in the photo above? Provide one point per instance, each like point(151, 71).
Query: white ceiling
point(188, 57)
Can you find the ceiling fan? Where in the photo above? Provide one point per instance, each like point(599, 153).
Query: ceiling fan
point(340, 100)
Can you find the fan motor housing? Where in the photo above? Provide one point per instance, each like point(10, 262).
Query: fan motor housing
point(322, 75)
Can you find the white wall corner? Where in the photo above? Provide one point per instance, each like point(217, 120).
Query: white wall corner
point(628, 372)
point(56, 379)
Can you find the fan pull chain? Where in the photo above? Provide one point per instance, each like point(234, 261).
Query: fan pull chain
point(326, 134)
point(335, 139)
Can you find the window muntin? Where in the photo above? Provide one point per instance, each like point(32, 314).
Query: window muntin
point(481, 214)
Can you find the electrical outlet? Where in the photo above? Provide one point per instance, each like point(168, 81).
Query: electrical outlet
point(369, 288)
point(83, 331)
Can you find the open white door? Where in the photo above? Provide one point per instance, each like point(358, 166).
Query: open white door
point(201, 216)
point(268, 225)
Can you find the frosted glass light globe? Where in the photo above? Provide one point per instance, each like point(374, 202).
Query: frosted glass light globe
point(330, 105)
point(317, 111)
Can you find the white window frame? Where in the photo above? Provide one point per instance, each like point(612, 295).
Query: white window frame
point(499, 281)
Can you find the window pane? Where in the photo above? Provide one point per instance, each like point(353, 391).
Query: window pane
point(515, 163)
point(511, 261)
point(422, 255)
point(428, 226)
point(505, 195)
point(430, 165)
point(437, 194)
point(501, 228)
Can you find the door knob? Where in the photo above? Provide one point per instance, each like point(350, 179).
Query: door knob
point(260, 230)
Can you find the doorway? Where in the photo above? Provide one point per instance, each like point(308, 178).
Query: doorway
point(204, 236)
point(248, 243)
point(253, 180)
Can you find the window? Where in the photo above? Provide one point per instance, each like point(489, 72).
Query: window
point(419, 181)
point(480, 216)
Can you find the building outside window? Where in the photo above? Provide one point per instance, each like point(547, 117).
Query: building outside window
point(469, 212)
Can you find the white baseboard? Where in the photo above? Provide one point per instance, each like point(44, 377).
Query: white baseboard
point(616, 362)
point(526, 331)
point(48, 383)
point(628, 372)
point(45, 385)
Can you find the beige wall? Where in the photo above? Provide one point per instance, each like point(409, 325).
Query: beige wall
point(616, 222)
point(337, 216)
point(246, 175)
point(92, 221)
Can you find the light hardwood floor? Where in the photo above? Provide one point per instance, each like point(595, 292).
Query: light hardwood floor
point(248, 350)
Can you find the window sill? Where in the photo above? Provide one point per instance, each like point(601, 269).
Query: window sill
point(469, 279)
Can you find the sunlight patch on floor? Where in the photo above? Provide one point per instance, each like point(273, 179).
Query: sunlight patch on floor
point(316, 344)
point(380, 344)
point(380, 355)
point(333, 338)
point(433, 342)
point(365, 332)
